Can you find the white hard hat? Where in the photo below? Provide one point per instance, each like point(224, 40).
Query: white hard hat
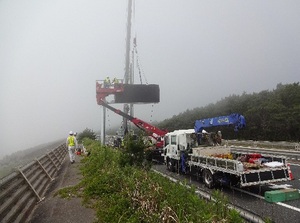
point(75, 133)
point(203, 131)
point(70, 133)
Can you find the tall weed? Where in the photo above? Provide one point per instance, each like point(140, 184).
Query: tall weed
point(122, 190)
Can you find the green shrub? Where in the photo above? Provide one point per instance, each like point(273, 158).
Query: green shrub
point(87, 133)
point(130, 193)
point(134, 153)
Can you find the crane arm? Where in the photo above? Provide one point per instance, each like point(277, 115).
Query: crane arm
point(233, 119)
point(156, 133)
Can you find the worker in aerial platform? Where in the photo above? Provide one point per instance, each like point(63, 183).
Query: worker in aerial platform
point(115, 81)
point(107, 82)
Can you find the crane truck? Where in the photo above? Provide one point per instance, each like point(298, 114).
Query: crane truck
point(196, 152)
point(217, 164)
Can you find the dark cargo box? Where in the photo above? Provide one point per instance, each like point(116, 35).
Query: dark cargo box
point(140, 93)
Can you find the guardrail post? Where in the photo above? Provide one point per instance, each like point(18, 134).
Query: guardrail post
point(44, 170)
point(255, 144)
point(297, 146)
point(56, 157)
point(52, 161)
point(30, 185)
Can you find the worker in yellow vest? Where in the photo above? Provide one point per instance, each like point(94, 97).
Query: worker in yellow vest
point(107, 82)
point(115, 81)
point(71, 144)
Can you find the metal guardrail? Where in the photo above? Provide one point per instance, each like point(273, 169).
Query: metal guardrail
point(291, 155)
point(289, 150)
point(22, 189)
point(265, 144)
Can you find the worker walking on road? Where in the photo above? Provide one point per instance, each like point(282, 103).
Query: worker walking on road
point(77, 148)
point(71, 145)
point(75, 136)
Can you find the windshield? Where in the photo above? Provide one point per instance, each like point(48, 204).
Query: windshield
point(173, 140)
point(192, 140)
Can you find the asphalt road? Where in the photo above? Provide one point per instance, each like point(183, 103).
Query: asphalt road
point(252, 198)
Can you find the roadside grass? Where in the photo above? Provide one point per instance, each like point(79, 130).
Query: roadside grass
point(121, 190)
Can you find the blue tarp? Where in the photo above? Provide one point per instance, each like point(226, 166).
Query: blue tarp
point(237, 120)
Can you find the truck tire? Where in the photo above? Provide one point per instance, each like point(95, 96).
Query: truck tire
point(176, 167)
point(208, 178)
point(170, 165)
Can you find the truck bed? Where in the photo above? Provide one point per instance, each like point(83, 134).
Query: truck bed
point(211, 158)
point(210, 150)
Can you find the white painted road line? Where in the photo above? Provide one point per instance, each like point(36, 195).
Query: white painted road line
point(288, 206)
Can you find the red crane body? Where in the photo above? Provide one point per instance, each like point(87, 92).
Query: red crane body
point(154, 132)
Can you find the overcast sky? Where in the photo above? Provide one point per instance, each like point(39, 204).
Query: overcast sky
point(51, 53)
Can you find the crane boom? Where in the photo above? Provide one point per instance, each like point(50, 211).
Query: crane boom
point(155, 132)
point(233, 119)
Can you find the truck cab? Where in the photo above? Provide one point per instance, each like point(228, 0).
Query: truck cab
point(176, 144)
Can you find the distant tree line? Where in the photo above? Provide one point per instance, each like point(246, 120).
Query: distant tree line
point(270, 115)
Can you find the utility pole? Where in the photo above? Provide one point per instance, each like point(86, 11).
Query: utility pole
point(128, 71)
point(131, 81)
point(103, 126)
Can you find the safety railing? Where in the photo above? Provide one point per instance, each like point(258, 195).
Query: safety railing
point(23, 189)
point(265, 144)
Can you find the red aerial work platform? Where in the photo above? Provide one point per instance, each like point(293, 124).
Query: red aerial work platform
point(102, 93)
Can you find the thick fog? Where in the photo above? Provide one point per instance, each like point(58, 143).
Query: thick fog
point(52, 52)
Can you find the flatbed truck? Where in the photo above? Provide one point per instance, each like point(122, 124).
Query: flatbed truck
point(218, 165)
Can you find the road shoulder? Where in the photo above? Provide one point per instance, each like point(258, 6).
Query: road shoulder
point(57, 209)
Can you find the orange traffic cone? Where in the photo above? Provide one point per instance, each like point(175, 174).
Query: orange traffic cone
point(290, 172)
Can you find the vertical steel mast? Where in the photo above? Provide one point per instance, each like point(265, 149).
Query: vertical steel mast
point(103, 131)
point(128, 71)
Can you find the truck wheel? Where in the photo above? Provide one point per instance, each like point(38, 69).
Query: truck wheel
point(208, 178)
point(170, 166)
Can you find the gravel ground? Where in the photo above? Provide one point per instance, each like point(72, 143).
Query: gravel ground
point(57, 209)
